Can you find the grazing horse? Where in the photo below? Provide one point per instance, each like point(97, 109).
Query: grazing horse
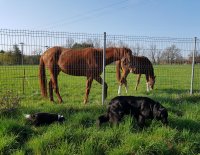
point(86, 62)
point(138, 65)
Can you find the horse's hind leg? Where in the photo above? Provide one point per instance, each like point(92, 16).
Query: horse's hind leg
point(51, 91)
point(88, 86)
point(54, 82)
point(100, 80)
point(138, 81)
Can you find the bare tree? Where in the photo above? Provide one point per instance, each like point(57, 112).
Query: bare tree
point(152, 53)
point(97, 43)
point(122, 44)
point(110, 44)
point(158, 56)
point(196, 57)
point(171, 54)
point(69, 42)
point(137, 50)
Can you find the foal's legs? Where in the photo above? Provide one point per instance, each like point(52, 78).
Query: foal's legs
point(123, 81)
point(138, 81)
point(88, 86)
point(100, 80)
point(147, 83)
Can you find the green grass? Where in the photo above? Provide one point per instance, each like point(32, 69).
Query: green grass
point(79, 134)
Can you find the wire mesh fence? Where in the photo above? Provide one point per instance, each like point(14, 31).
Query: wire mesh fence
point(172, 59)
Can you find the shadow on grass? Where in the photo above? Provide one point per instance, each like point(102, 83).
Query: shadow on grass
point(176, 96)
point(20, 134)
point(185, 124)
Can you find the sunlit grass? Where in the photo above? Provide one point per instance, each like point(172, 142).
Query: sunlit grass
point(79, 134)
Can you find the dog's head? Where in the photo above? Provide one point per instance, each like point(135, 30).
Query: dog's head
point(102, 119)
point(160, 113)
point(61, 118)
point(117, 109)
point(30, 117)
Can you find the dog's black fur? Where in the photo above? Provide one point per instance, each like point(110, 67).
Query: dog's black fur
point(38, 119)
point(141, 108)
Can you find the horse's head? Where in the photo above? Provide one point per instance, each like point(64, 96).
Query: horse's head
point(151, 82)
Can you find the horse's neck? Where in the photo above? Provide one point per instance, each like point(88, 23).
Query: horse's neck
point(151, 74)
point(110, 56)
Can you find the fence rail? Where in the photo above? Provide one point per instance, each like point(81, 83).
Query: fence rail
point(176, 60)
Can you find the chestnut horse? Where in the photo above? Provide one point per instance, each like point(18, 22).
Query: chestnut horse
point(138, 65)
point(78, 62)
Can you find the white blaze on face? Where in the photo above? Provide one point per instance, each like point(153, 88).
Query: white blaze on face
point(60, 116)
point(27, 116)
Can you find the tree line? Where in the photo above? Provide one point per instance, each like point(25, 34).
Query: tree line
point(15, 57)
point(169, 55)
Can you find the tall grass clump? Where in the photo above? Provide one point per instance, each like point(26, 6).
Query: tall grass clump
point(9, 102)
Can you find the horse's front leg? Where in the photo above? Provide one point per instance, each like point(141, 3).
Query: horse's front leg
point(123, 81)
point(100, 80)
point(147, 82)
point(138, 81)
point(88, 86)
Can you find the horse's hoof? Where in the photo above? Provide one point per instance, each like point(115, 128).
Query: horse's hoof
point(52, 100)
point(85, 101)
point(60, 101)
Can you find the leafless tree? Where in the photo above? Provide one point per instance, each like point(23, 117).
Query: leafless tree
point(122, 44)
point(196, 57)
point(69, 42)
point(158, 56)
point(97, 43)
point(137, 50)
point(152, 53)
point(110, 44)
point(171, 54)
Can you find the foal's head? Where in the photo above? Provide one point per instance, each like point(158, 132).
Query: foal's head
point(151, 82)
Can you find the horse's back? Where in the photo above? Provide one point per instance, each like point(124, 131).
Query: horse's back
point(79, 62)
point(141, 61)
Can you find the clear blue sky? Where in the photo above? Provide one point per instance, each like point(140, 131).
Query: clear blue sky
point(162, 18)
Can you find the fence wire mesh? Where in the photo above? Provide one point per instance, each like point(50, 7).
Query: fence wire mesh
point(20, 51)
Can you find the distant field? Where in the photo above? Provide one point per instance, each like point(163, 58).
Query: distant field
point(79, 135)
point(168, 77)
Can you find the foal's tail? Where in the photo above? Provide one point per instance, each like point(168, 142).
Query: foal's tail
point(118, 72)
point(42, 78)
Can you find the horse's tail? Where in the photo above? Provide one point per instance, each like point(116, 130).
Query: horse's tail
point(118, 72)
point(42, 78)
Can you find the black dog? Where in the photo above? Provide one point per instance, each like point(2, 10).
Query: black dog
point(44, 118)
point(141, 108)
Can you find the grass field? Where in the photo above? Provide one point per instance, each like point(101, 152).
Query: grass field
point(79, 134)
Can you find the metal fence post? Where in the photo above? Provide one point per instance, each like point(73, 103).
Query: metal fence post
point(22, 61)
point(104, 59)
point(22, 52)
point(192, 75)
